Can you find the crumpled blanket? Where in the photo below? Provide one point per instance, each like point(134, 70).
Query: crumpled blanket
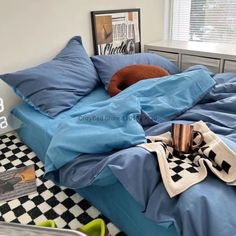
point(115, 123)
point(181, 171)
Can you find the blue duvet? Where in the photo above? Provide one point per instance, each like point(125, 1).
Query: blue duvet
point(205, 209)
point(115, 123)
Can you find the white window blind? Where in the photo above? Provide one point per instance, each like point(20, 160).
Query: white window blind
point(203, 20)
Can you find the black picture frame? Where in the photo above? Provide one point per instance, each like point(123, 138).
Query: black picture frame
point(116, 31)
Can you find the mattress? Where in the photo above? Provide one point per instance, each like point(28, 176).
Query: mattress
point(37, 130)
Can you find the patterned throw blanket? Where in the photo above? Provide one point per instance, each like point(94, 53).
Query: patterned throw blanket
point(181, 171)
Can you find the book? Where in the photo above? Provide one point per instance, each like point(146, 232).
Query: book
point(17, 182)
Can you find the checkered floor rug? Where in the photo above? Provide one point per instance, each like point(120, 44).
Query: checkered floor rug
point(66, 207)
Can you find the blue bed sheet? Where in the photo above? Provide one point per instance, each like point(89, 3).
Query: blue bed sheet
point(207, 208)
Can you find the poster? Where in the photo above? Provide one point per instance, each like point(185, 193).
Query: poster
point(18, 182)
point(116, 32)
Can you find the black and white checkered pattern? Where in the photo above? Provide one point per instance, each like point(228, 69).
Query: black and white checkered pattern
point(178, 164)
point(66, 207)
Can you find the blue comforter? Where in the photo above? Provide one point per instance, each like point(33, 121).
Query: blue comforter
point(115, 123)
point(207, 208)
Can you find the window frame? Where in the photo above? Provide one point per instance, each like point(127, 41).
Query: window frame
point(168, 18)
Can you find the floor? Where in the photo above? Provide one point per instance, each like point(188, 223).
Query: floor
point(67, 208)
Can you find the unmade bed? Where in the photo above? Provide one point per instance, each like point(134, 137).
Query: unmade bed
point(36, 131)
point(89, 142)
point(146, 209)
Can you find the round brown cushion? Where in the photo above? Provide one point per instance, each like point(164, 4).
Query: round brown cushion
point(131, 74)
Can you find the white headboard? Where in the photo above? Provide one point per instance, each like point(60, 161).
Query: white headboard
point(33, 32)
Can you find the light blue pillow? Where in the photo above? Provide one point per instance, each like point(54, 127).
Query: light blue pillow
point(59, 84)
point(107, 65)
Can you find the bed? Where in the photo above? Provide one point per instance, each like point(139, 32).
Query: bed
point(133, 213)
point(122, 180)
point(37, 130)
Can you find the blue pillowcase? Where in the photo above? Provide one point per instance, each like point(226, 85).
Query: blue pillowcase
point(199, 67)
point(59, 84)
point(107, 65)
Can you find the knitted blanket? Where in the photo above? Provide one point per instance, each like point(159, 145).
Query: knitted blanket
point(181, 171)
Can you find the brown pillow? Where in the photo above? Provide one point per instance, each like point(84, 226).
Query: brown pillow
point(131, 74)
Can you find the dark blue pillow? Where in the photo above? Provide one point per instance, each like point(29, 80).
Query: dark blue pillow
point(59, 84)
point(107, 65)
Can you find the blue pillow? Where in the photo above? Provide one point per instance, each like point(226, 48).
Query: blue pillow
point(107, 65)
point(59, 84)
point(199, 67)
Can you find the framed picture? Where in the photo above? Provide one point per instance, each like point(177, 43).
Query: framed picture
point(116, 31)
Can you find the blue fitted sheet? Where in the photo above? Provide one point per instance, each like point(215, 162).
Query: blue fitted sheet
point(116, 203)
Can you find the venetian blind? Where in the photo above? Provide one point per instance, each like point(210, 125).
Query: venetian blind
point(203, 20)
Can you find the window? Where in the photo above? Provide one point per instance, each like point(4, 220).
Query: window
point(203, 20)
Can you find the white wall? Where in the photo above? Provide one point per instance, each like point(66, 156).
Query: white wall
point(33, 31)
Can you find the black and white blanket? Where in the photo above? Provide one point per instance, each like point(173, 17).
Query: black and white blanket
point(180, 171)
